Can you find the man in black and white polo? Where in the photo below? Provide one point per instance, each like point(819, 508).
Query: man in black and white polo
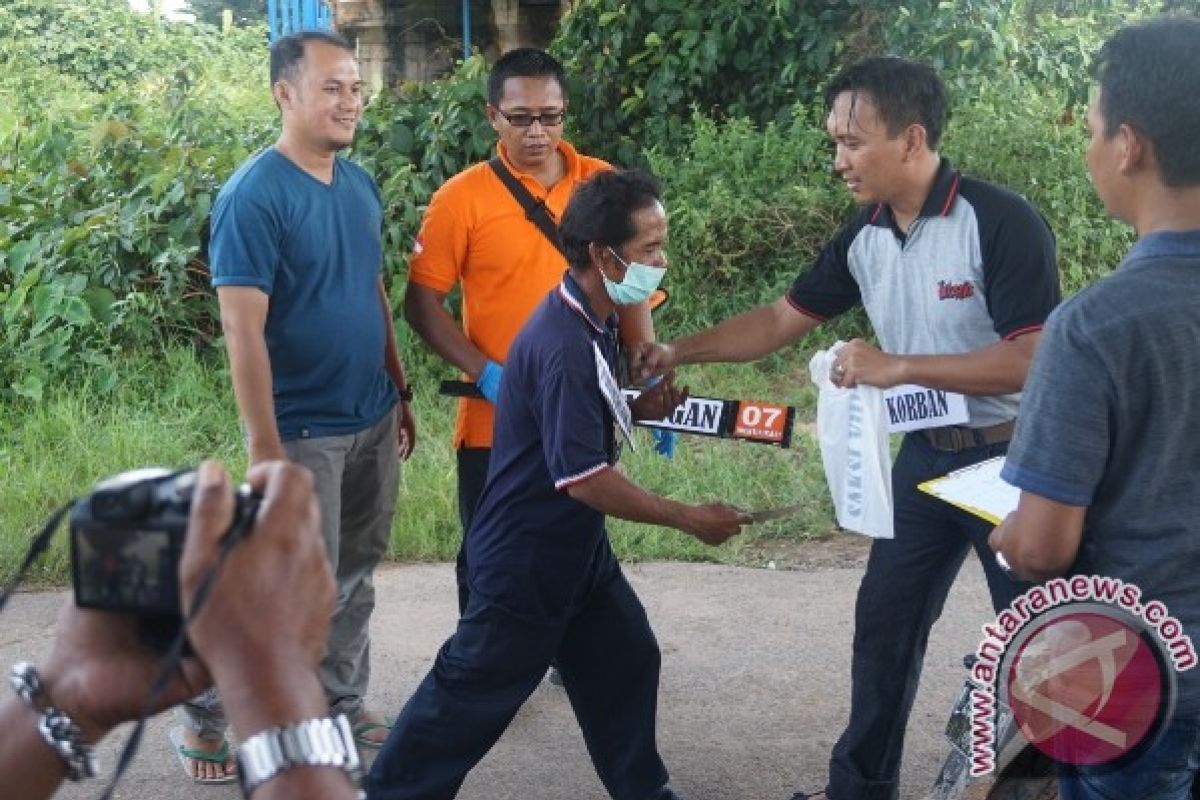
point(957, 277)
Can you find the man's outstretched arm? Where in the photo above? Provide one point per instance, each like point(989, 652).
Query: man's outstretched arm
point(745, 337)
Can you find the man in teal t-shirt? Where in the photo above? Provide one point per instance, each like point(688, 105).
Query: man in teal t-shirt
point(296, 259)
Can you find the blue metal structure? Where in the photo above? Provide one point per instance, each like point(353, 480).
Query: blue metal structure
point(290, 16)
point(466, 25)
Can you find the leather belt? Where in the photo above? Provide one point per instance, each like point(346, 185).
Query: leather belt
point(953, 438)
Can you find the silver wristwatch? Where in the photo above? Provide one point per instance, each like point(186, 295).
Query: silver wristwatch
point(325, 742)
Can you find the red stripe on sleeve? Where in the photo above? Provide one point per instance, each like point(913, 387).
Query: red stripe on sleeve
point(1019, 332)
point(805, 311)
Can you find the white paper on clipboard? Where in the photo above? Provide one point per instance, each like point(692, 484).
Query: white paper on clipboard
point(977, 489)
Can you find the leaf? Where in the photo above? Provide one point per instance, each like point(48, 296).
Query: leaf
point(18, 255)
point(30, 387)
point(402, 138)
point(45, 301)
point(75, 311)
point(100, 302)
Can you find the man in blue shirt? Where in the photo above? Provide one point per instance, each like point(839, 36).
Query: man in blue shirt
point(1106, 452)
point(544, 583)
point(296, 259)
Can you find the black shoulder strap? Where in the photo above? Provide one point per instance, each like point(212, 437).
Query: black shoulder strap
point(535, 210)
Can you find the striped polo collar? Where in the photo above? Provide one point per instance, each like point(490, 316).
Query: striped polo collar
point(938, 203)
point(572, 294)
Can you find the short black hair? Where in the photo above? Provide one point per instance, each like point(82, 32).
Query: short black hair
point(601, 210)
point(524, 62)
point(905, 93)
point(288, 51)
point(1149, 74)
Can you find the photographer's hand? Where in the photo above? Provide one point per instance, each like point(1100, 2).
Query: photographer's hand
point(263, 628)
point(98, 674)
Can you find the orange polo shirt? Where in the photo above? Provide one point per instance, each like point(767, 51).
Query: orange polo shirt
point(475, 234)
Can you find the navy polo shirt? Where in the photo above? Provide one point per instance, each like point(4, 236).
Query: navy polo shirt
point(532, 547)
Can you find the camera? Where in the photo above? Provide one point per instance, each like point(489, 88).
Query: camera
point(126, 542)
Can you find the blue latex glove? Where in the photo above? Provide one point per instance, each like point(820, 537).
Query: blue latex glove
point(664, 442)
point(489, 381)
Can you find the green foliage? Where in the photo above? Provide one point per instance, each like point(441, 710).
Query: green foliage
point(104, 195)
point(748, 208)
point(1018, 136)
point(637, 68)
point(412, 140)
point(106, 46)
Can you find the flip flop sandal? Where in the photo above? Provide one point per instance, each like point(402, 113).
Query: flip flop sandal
point(361, 731)
point(185, 753)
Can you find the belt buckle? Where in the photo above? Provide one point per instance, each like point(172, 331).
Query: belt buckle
point(948, 438)
point(961, 439)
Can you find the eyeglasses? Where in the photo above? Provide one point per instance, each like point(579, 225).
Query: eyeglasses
point(522, 119)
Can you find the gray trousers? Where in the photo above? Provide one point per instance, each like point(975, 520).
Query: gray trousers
point(357, 479)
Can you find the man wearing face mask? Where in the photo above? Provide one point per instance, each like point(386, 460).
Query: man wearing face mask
point(544, 582)
point(477, 235)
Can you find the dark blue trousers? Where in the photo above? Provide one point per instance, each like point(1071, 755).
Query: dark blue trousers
point(900, 597)
point(609, 661)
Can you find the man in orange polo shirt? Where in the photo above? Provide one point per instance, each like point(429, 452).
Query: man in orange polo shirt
point(477, 234)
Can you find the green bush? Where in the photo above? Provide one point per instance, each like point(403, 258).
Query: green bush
point(415, 138)
point(105, 187)
point(639, 68)
point(106, 46)
point(1018, 136)
point(106, 183)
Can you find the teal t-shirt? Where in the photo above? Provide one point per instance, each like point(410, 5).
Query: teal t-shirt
point(315, 250)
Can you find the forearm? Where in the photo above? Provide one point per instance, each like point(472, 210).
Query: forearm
point(611, 493)
point(997, 369)
point(250, 370)
point(427, 316)
point(257, 698)
point(1041, 539)
point(32, 770)
point(391, 353)
point(746, 337)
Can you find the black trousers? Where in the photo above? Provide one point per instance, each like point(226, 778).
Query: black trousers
point(609, 661)
point(901, 595)
point(472, 475)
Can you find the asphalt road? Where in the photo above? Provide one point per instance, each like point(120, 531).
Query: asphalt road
point(754, 692)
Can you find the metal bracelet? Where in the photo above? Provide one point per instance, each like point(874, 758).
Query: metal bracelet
point(57, 729)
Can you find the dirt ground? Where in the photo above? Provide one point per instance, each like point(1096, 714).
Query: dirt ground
point(754, 688)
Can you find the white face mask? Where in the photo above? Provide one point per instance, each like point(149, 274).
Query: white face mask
point(640, 282)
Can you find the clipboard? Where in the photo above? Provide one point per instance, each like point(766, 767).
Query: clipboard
point(977, 489)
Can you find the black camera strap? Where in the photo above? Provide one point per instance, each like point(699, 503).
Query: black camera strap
point(535, 210)
point(36, 548)
point(174, 655)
